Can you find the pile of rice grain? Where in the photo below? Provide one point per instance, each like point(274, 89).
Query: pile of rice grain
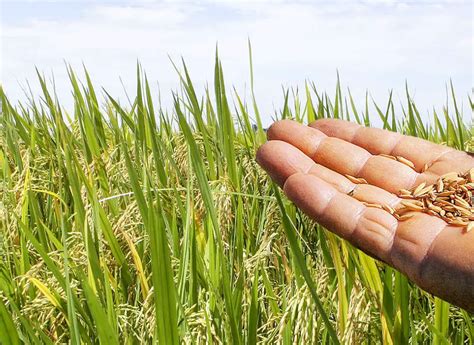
point(450, 198)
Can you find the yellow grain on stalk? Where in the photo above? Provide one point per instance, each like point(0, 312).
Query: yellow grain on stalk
point(138, 265)
point(449, 198)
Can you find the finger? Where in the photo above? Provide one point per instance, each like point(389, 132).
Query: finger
point(281, 160)
point(370, 229)
point(453, 161)
point(347, 158)
point(363, 192)
point(303, 137)
point(379, 141)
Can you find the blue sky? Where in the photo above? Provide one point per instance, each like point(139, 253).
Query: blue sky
point(375, 45)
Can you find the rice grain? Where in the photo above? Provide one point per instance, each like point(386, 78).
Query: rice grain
point(449, 198)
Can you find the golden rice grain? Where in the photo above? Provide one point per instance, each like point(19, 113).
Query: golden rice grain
point(406, 162)
point(356, 180)
point(419, 188)
point(450, 176)
point(404, 217)
point(388, 156)
point(449, 198)
point(389, 209)
point(470, 175)
point(368, 204)
point(411, 206)
point(440, 186)
point(456, 222)
point(426, 167)
point(405, 192)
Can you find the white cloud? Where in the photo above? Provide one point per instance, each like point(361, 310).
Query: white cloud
point(374, 45)
point(159, 16)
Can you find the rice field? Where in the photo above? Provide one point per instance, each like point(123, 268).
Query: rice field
point(127, 223)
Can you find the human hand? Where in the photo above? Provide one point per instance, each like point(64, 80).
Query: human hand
point(309, 163)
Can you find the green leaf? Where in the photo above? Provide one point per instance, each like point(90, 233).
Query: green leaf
point(105, 331)
point(301, 262)
point(8, 332)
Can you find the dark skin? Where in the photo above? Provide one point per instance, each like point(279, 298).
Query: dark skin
point(309, 163)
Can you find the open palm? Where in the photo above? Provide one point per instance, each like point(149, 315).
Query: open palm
point(309, 163)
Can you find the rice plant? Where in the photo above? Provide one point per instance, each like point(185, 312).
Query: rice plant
point(131, 223)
